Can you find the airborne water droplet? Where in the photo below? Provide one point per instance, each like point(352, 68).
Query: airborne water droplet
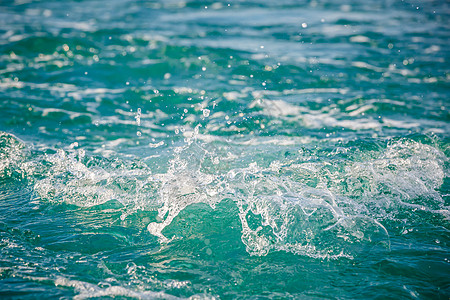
point(138, 117)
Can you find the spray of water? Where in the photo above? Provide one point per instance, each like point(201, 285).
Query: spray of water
point(299, 205)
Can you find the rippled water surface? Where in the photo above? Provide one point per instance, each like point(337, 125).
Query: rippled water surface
point(243, 149)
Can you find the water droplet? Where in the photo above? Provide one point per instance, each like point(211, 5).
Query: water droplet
point(206, 112)
point(138, 117)
point(196, 129)
point(81, 153)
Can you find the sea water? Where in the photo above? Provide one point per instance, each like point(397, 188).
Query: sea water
point(220, 150)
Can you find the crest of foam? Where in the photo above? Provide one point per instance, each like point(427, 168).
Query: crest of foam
point(307, 207)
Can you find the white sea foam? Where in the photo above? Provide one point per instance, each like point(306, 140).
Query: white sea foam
point(86, 290)
point(303, 205)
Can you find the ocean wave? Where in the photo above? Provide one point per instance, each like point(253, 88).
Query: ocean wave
point(306, 205)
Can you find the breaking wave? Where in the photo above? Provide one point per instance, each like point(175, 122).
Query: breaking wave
point(324, 204)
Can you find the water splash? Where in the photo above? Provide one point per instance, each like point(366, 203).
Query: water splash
point(314, 208)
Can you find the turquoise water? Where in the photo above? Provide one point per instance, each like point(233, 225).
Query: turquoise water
point(243, 149)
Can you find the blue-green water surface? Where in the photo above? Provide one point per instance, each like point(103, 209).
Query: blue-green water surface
point(255, 149)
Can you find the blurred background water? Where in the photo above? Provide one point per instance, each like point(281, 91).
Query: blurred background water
point(224, 149)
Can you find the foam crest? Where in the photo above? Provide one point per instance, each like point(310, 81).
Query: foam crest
point(87, 290)
point(186, 182)
point(279, 214)
point(308, 204)
point(407, 173)
point(93, 183)
point(10, 149)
